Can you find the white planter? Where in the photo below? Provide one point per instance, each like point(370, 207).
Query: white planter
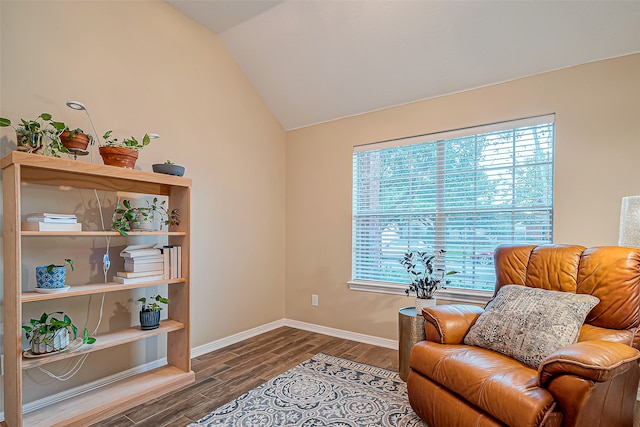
point(421, 303)
point(56, 342)
point(148, 224)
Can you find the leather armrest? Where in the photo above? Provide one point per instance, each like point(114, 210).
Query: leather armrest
point(448, 324)
point(593, 360)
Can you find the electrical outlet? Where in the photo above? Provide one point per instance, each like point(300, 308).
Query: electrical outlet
point(314, 300)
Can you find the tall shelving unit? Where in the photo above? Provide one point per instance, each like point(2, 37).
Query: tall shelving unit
point(19, 168)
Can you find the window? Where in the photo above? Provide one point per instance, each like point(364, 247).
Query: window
point(464, 191)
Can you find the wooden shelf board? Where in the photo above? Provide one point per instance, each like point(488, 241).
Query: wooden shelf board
point(79, 290)
point(90, 233)
point(111, 399)
point(74, 167)
point(108, 340)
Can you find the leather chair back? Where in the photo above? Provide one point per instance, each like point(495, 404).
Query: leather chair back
point(610, 273)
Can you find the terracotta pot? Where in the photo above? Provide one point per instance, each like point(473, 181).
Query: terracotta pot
point(119, 156)
point(79, 140)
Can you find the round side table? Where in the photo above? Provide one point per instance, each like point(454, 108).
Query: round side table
point(411, 330)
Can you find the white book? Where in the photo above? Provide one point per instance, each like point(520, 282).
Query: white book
point(51, 215)
point(50, 226)
point(135, 251)
point(145, 259)
point(179, 261)
point(174, 262)
point(143, 267)
point(166, 262)
point(133, 274)
point(140, 253)
point(53, 220)
point(133, 280)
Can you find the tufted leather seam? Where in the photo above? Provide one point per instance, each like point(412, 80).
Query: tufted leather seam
point(588, 365)
point(595, 270)
point(633, 336)
point(436, 325)
point(523, 275)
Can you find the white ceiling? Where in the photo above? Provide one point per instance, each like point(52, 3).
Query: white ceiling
point(316, 61)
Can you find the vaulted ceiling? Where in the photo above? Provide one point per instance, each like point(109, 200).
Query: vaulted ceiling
point(316, 61)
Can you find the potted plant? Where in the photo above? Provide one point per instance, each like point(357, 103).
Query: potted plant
point(150, 311)
point(52, 276)
point(32, 135)
point(127, 217)
point(122, 153)
point(425, 279)
point(75, 139)
point(168, 168)
point(49, 334)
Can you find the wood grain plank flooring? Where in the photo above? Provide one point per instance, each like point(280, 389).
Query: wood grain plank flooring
point(227, 373)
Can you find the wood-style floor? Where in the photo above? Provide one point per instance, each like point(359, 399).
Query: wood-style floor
point(225, 374)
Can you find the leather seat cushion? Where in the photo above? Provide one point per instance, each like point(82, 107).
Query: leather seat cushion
point(502, 387)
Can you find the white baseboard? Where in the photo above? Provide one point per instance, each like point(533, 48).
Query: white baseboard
point(339, 333)
point(232, 339)
point(206, 348)
point(250, 333)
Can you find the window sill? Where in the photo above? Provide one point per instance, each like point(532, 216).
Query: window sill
point(450, 294)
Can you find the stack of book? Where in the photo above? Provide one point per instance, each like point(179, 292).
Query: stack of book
point(172, 261)
point(142, 263)
point(51, 222)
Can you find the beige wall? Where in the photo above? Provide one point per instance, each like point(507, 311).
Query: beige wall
point(596, 163)
point(141, 66)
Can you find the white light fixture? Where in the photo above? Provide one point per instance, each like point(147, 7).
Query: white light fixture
point(153, 135)
point(629, 235)
point(76, 105)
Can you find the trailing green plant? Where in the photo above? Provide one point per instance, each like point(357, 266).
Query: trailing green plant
point(425, 279)
point(69, 261)
point(131, 142)
point(43, 329)
point(152, 303)
point(125, 214)
point(30, 134)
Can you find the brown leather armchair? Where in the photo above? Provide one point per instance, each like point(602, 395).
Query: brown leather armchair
point(593, 382)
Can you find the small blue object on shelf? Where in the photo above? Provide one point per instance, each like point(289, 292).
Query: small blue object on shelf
point(50, 280)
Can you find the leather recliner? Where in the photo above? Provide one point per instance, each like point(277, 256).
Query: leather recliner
point(593, 382)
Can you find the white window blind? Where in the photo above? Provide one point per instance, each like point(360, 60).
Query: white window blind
point(464, 191)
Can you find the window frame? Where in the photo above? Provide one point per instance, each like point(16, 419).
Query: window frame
point(457, 294)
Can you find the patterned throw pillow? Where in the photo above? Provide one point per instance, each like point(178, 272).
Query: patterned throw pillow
point(528, 324)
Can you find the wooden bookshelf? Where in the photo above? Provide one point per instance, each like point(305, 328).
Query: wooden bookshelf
point(19, 168)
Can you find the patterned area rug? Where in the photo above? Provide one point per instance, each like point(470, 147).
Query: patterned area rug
point(323, 391)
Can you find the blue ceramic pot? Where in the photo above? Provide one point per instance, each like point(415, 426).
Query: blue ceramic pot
point(149, 320)
point(52, 280)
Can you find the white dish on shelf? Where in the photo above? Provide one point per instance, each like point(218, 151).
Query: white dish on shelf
point(52, 290)
point(74, 345)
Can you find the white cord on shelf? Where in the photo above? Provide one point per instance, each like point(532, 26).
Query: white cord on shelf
point(106, 264)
